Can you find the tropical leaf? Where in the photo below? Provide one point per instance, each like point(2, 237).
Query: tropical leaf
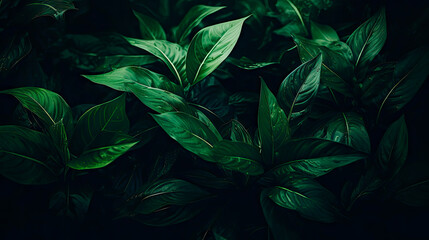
point(323, 32)
point(150, 29)
point(237, 132)
point(192, 19)
point(210, 47)
point(273, 126)
point(39, 8)
point(247, 64)
point(13, 51)
point(416, 195)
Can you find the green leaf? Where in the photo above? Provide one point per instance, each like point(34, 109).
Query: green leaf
point(337, 70)
point(323, 32)
point(393, 149)
point(170, 215)
point(408, 76)
point(150, 29)
point(14, 51)
point(210, 47)
point(247, 64)
point(26, 156)
point(192, 19)
point(368, 40)
point(39, 8)
point(299, 88)
point(208, 179)
point(273, 126)
point(168, 192)
point(172, 54)
point(48, 106)
point(308, 198)
point(190, 132)
point(73, 204)
point(104, 149)
point(238, 156)
point(108, 116)
point(59, 138)
point(416, 195)
point(118, 79)
point(237, 132)
point(375, 84)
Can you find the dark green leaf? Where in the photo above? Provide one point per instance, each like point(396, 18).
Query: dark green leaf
point(323, 32)
point(58, 134)
point(150, 29)
point(237, 132)
point(170, 215)
point(13, 51)
point(39, 8)
point(208, 180)
point(416, 195)
point(247, 64)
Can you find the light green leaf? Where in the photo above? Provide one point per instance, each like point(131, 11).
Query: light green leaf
point(238, 156)
point(190, 132)
point(273, 126)
point(210, 47)
point(150, 29)
point(192, 19)
point(26, 156)
point(323, 32)
point(108, 116)
point(172, 54)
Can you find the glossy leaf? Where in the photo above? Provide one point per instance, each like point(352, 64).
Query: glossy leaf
point(150, 29)
point(190, 132)
point(368, 39)
point(237, 132)
point(299, 88)
point(210, 47)
point(172, 54)
point(59, 138)
point(192, 19)
point(307, 197)
point(273, 126)
point(238, 156)
point(323, 32)
point(108, 116)
point(48, 106)
point(393, 149)
point(26, 156)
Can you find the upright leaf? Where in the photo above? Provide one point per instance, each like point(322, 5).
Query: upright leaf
point(273, 126)
point(150, 29)
point(210, 47)
point(109, 116)
point(299, 88)
point(192, 19)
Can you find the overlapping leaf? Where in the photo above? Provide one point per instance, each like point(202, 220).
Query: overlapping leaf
point(150, 29)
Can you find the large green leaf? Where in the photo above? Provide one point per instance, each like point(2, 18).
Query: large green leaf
point(26, 156)
point(416, 195)
point(210, 47)
point(368, 40)
point(273, 126)
point(323, 32)
point(192, 19)
point(337, 70)
point(238, 156)
point(150, 29)
point(48, 106)
point(393, 149)
point(190, 132)
point(172, 54)
point(408, 76)
point(108, 116)
point(298, 89)
point(14, 51)
point(104, 149)
point(168, 192)
point(307, 197)
point(118, 79)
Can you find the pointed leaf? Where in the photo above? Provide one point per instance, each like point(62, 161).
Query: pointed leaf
point(14, 51)
point(150, 29)
point(323, 32)
point(39, 8)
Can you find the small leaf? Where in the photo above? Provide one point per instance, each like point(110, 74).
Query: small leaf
point(210, 47)
point(273, 126)
point(238, 156)
point(190, 132)
point(323, 32)
point(307, 197)
point(26, 156)
point(150, 29)
point(299, 88)
point(192, 19)
point(109, 116)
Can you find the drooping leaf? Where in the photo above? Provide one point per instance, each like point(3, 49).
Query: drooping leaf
point(368, 40)
point(13, 50)
point(103, 149)
point(298, 90)
point(307, 197)
point(337, 70)
point(172, 54)
point(323, 32)
point(416, 195)
point(48, 106)
point(238, 156)
point(192, 19)
point(168, 192)
point(26, 156)
point(273, 126)
point(190, 132)
point(210, 47)
point(393, 149)
point(150, 29)
point(108, 116)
